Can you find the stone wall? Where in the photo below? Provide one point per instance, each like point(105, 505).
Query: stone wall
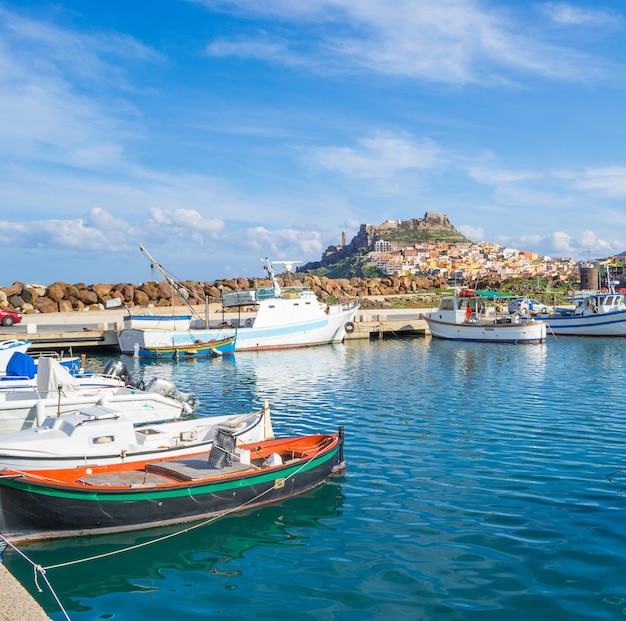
point(64, 297)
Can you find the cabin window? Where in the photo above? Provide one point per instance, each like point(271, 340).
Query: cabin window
point(447, 304)
point(102, 439)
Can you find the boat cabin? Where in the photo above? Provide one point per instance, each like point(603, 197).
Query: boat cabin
point(602, 302)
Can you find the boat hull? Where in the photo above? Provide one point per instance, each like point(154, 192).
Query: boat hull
point(197, 349)
point(318, 330)
point(72, 444)
point(158, 322)
point(532, 332)
point(35, 510)
point(601, 324)
point(19, 409)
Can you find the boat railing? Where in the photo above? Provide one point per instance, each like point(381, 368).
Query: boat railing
point(269, 293)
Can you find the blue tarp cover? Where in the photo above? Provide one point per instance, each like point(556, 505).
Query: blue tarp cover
point(21, 365)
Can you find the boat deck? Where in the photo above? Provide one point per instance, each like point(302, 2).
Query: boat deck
point(194, 469)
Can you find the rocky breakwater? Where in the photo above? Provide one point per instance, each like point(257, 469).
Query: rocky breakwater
point(64, 297)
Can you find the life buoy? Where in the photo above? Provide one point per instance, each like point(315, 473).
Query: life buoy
point(349, 327)
point(499, 308)
point(570, 293)
point(604, 290)
point(594, 309)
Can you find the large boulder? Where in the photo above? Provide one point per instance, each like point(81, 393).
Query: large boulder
point(141, 298)
point(55, 291)
point(87, 297)
point(103, 291)
point(46, 304)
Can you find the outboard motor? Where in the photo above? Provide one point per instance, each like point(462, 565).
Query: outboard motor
point(168, 389)
point(116, 368)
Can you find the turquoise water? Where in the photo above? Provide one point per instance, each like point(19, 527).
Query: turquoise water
point(477, 489)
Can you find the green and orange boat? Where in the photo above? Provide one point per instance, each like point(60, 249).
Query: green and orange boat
point(39, 505)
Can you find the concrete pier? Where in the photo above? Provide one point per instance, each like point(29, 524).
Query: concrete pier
point(16, 602)
point(90, 330)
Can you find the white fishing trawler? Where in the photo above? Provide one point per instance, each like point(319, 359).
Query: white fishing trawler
point(285, 317)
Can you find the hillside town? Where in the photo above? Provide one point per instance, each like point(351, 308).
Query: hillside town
point(467, 262)
point(431, 246)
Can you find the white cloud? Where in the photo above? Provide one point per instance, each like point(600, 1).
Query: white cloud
point(287, 244)
point(567, 14)
point(380, 155)
point(578, 245)
point(473, 233)
point(495, 176)
point(450, 41)
point(610, 181)
point(49, 80)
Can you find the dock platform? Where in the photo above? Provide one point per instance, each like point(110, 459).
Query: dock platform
point(84, 331)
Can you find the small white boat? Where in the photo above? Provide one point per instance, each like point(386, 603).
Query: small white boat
point(602, 313)
point(98, 436)
point(21, 373)
point(285, 317)
point(8, 348)
point(57, 392)
point(468, 317)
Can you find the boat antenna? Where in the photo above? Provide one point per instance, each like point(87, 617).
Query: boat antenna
point(272, 276)
point(169, 280)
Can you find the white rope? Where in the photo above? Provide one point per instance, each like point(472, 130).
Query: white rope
point(177, 533)
point(38, 570)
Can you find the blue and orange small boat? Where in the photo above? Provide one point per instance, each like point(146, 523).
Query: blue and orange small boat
point(194, 349)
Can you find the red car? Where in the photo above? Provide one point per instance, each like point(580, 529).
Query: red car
point(9, 317)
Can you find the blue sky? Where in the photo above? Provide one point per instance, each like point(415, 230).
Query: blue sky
point(217, 132)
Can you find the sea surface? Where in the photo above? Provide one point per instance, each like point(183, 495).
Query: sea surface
point(484, 483)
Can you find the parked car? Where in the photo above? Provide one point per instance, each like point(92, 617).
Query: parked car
point(524, 306)
point(9, 317)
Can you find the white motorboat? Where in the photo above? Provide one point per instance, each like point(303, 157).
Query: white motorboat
point(468, 317)
point(98, 436)
point(22, 373)
point(285, 317)
point(57, 392)
point(601, 313)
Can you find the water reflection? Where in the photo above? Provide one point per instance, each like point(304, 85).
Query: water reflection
point(208, 549)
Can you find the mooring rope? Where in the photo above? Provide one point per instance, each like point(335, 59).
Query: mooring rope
point(40, 570)
point(177, 533)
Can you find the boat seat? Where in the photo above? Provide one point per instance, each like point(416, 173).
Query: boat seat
point(133, 478)
point(194, 469)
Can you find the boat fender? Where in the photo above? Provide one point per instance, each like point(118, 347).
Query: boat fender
point(349, 327)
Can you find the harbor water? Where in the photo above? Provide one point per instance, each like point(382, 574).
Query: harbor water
point(484, 483)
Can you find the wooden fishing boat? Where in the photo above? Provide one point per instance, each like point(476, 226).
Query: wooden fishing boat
point(41, 504)
point(195, 349)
